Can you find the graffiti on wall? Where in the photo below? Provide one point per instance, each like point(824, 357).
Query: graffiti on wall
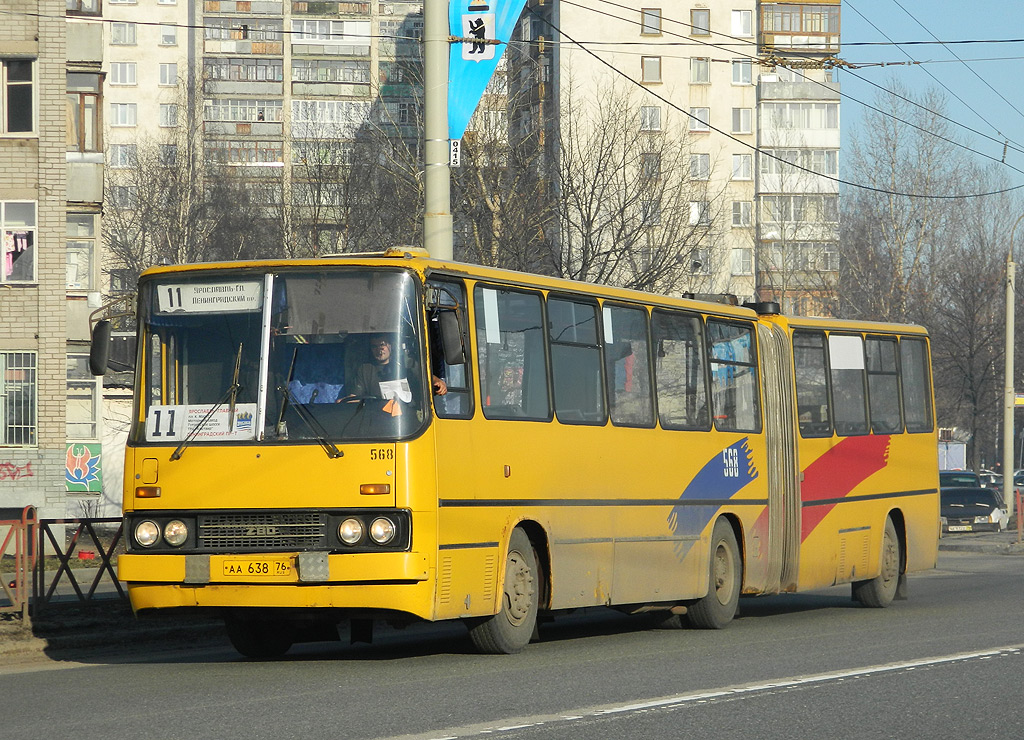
point(10, 471)
point(82, 472)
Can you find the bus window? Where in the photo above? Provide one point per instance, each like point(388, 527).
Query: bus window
point(627, 366)
point(679, 371)
point(733, 376)
point(810, 365)
point(846, 362)
point(510, 354)
point(883, 385)
point(576, 362)
point(457, 403)
point(917, 394)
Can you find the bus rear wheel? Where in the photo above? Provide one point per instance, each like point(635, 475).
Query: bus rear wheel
point(725, 575)
point(879, 592)
point(510, 630)
point(260, 639)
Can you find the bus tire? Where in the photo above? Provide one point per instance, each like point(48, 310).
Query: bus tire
point(725, 575)
point(510, 630)
point(880, 591)
point(259, 639)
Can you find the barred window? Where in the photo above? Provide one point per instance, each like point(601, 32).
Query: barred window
point(18, 399)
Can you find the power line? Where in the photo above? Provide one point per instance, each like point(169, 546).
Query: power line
point(765, 152)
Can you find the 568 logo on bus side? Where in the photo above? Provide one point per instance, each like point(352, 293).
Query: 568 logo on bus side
point(731, 462)
point(382, 453)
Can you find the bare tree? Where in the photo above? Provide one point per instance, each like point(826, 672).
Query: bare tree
point(630, 212)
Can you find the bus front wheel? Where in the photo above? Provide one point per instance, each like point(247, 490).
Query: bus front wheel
point(510, 630)
point(725, 575)
point(879, 592)
point(260, 639)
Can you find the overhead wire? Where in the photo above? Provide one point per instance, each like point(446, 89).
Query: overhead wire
point(760, 150)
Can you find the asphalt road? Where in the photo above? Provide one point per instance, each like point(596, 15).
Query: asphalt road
point(946, 663)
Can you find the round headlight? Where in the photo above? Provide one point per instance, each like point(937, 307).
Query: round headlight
point(350, 531)
point(147, 533)
point(382, 530)
point(175, 533)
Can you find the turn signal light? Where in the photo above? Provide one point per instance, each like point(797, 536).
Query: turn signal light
point(147, 492)
point(374, 489)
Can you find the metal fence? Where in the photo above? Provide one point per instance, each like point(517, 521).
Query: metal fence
point(42, 553)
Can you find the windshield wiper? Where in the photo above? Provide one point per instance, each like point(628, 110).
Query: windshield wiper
point(231, 393)
point(319, 433)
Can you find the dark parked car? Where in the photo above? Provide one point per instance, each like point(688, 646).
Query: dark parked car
point(951, 478)
point(971, 509)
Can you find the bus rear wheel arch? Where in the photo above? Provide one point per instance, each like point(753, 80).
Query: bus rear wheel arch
point(511, 629)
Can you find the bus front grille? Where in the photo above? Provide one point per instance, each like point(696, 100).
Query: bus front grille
point(261, 530)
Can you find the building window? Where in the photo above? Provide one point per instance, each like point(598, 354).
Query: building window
point(742, 120)
point(650, 212)
point(168, 36)
point(700, 70)
point(700, 166)
point(741, 72)
point(700, 22)
point(122, 73)
point(82, 7)
point(650, 166)
point(650, 118)
point(815, 116)
point(741, 213)
point(700, 214)
point(793, 161)
point(168, 114)
point(650, 68)
point(123, 196)
point(18, 228)
point(17, 115)
point(18, 399)
point(650, 21)
point(81, 251)
point(83, 399)
point(169, 74)
point(83, 109)
point(123, 114)
point(122, 155)
point(743, 261)
point(700, 119)
point(168, 154)
point(122, 34)
point(742, 167)
point(742, 23)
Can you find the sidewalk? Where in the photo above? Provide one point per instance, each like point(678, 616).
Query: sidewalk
point(992, 543)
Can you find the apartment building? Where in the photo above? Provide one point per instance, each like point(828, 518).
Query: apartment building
point(51, 191)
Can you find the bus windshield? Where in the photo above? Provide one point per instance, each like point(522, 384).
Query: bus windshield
point(295, 356)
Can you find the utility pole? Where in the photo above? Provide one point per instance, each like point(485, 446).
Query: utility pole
point(437, 214)
point(1008, 390)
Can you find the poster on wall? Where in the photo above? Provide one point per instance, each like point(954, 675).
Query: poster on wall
point(82, 471)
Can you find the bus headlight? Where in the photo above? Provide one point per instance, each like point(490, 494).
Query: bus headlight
point(382, 530)
point(175, 533)
point(350, 531)
point(147, 533)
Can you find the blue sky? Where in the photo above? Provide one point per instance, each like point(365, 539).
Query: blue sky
point(981, 108)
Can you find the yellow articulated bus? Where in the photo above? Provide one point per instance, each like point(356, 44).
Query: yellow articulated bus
point(394, 437)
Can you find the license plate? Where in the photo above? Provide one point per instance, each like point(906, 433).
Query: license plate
point(959, 528)
point(261, 568)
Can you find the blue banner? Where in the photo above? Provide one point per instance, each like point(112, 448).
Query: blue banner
point(471, 63)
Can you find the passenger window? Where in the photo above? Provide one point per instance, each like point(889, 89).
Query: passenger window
point(814, 415)
point(917, 390)
point(679, 371)
point(576, 362)
point(510, 354)
point(627, 366)
point(883, 386)
point(846, 363)
point(457, 402)
point(733, 376)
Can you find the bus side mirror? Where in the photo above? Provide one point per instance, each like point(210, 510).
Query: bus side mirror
point(99, 351)
point(451, 338)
